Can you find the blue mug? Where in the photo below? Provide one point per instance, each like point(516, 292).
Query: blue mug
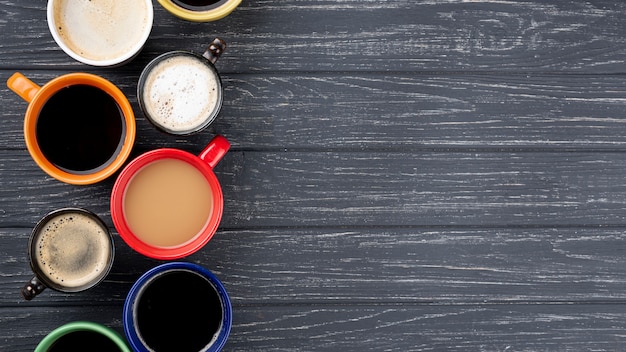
point(177, 306)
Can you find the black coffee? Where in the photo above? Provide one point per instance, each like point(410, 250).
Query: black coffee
point(85, 340)
point(179, 311)
point(198, 5)
point(80, 129)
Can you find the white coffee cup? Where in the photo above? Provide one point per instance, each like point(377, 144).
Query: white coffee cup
point(100, 32)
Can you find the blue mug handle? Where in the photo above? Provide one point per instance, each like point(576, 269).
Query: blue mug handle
point(129, 323)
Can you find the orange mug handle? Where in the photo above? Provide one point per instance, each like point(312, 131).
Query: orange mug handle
point(23, 86)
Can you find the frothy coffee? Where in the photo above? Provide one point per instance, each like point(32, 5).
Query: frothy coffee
point(101, 30)
point(72, 250)
point(180, 93)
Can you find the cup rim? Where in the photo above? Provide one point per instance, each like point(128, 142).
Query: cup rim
point(144, 75)
point(43, 278)
point(80, 325)
point(121, 60)
point(39, 100)
point(117, 205)
point(209, 15)
point(128, 311)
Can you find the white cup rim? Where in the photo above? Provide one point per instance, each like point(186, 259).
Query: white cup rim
point(122, 59)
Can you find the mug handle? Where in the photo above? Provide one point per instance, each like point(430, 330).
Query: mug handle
point(215, 50)
point(23, 86)
point(215, 151)
point(32, 288)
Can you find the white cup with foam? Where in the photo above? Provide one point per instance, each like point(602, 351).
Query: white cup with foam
point(103, 32)
point(180, 92)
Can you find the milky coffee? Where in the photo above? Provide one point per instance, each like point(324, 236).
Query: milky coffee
point(101, 30)
point(181, 93)
point(168, 203)
point(72, 250)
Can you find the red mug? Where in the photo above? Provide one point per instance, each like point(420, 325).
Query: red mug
point(167, 203)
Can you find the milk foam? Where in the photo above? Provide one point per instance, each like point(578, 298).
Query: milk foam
point(73, 250)
point(101, 29)
point(180, 93)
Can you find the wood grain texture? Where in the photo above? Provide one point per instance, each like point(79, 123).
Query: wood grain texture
point(346, 35)
point(404, 175)
point(373, 328)
point(285, 189)
point(388, 266)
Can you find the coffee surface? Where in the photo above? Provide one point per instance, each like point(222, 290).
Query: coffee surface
point(80, 129)
point(72, 250)
point(180, 93)
point(83, 340)
point(199, 5)
point(167, 203)
point(101, 29)
point(178, 311)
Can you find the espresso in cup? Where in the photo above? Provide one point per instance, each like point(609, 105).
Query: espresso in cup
point(178, 307)
point(79, 336)
point(80, 129)
point(199, 5)
point(70, 250)
point(164, 310)
point(181, 92)
point(102, 32)
point(83, 340)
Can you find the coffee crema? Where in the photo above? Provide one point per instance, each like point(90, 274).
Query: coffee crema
point(101, 29)
point(167, 203)
point(72, 250)
point(181, 93)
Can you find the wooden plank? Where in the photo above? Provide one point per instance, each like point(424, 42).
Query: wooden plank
point(346, 35)
point(350, 266)
point(278, 189)
point(371, 328)
point(415, 112)
point(431, 328)
point(401, 112)
point(406, 176)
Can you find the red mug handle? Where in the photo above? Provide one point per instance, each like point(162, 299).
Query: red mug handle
point(215, 151)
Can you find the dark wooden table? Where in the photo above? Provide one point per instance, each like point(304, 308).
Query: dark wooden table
point(405, 175)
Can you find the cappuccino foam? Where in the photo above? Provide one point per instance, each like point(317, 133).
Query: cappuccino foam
point(180, 93)
point(101, 29)
point(72, 250)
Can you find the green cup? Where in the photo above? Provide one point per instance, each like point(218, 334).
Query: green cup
point(82, 336)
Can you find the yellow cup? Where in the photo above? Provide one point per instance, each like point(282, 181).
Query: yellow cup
point(120, 138)
point(195, 13)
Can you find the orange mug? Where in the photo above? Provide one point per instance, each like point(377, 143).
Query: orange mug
point(79, 128)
